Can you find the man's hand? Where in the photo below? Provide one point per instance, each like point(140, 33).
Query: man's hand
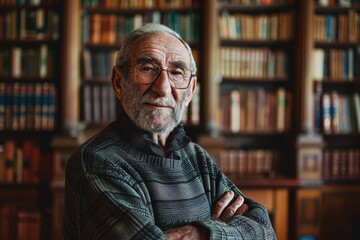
point(187, 232)
point(223, 210)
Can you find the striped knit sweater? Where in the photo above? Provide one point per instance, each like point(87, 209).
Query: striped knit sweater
point(115, 191)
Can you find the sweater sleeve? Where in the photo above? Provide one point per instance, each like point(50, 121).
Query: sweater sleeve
point(254, 224)
point(105, 205)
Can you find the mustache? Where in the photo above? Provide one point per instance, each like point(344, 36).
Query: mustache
point(166, 102)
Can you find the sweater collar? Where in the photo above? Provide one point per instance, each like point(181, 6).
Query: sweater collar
point(141, 140)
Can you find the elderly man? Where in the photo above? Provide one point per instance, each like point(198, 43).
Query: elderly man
point(141, 177)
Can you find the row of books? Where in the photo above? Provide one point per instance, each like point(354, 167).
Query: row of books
point(27, 2)
point(259, 2)
point(124, 4)
point(253, 63)
point(255, 110)
point(337, 28)
point(27, 62)
point(341, 113)
point(341, 164)
point(341, 3)
point(277, 26)
point(20, 162)
point(29, 24)
point(99, 103)
point(20, 223)
point(247, 163)
point(98, 64)
point(27, 106)
point(336, 64)
point(111, 28)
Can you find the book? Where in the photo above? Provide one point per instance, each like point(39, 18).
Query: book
point(235, 110)
point(28, 224)
point(22, 106)
point(43, 61)
point(35, 164)
point(86, 64)
point(281, 107)
point(318, 64)
point(326, 120)
point(335, 115)
point(16, 55)
point(251, 110)
point(37, 106)
point(2, 105)
point(10, 155)
point(2, 163)
point(356, 100)
point(26, 171)
point(8, 222)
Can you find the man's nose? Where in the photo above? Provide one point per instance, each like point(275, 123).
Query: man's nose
point(162, 83)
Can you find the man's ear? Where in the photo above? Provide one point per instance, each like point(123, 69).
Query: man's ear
point(191, 94)
point(115, 80)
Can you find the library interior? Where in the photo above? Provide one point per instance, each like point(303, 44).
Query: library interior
point(277, 102)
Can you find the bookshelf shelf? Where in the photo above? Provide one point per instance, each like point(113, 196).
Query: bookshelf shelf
point(341, 85)
point(4, 7)
point(25, 79)
point(328, 45)
point(336, 9)
point(276, 182)
point(342, 140)
point(28, 41)
point(256, 43)
point(132, 11)
point(247, 140)
point(253, 8)
point(257, 81)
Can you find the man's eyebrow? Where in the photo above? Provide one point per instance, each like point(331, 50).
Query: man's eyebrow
point(145, 59)
point(179, 64)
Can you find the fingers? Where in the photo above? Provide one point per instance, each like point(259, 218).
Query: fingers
point(242, 210)
point(231, 210)
point(225, 210)
point(221, 204)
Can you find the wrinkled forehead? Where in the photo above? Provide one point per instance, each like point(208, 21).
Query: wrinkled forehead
point(162, 47)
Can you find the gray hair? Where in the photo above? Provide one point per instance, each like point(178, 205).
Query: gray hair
point(149, 28)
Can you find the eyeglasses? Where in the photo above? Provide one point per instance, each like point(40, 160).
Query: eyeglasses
point(179, 77)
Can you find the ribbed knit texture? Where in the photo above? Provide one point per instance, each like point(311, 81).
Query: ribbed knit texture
point(115, 191)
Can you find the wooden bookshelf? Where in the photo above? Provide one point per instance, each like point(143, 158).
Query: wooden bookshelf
point(300, 165)
point(30, 38)
point(248, 78)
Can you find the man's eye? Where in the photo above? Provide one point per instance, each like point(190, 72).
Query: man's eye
point(177, 72)
point(148, 68)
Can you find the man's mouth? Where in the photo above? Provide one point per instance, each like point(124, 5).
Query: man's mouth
point(157, 105)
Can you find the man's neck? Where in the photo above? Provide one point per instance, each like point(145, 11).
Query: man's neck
point(160, 139)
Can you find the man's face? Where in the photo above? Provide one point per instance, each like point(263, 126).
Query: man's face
point(156, 107)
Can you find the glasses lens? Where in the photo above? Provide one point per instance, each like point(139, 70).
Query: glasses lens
point(147, 71)
point(179, 77)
